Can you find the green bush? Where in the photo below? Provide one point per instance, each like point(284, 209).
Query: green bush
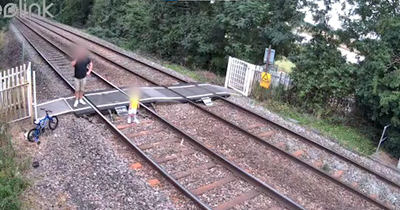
point(12, 184)
point(393, 144)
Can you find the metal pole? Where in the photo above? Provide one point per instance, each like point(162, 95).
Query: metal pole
point(29, 78)
point(269, 54)
point(23, 51)
point(380, 141)
point(34, 94)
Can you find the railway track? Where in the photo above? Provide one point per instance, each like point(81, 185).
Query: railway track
point(261, 130)
point(248, 187)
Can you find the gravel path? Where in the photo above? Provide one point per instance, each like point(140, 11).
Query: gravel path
point(79, 169)
point(284, 175)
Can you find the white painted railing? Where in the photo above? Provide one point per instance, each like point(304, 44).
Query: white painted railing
point(242, 76)
point(16, 93)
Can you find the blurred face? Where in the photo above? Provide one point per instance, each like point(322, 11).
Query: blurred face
point(135, 91)
point(81, 52)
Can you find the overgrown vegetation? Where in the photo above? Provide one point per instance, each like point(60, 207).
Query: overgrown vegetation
point(376, 36)
point(12, 183)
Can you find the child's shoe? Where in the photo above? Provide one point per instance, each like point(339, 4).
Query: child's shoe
point(137, 121)
point(129, 120)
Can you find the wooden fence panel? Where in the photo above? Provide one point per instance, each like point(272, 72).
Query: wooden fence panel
point(15, 94)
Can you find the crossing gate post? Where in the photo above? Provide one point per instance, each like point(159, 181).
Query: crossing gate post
point(228, 72)
point(29, 78)
point(34, 94)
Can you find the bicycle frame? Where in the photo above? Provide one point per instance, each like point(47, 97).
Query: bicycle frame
point(40, 125)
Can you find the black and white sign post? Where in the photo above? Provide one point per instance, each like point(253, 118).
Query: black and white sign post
point(384, 137)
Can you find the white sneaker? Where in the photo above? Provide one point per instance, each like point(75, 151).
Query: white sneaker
point(76, 103)
point(129, 120)
point(136, 121)
point(82, 102)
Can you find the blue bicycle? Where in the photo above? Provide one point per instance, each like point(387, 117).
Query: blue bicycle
point(33, 135)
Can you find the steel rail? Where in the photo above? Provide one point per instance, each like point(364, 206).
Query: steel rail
point(220, 159)
point(259, 140)
point(271, 123)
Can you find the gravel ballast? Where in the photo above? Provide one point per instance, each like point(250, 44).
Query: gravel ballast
point(184, 163)
point(352, 175)
point(279, 172)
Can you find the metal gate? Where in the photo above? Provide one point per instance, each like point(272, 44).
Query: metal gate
point(242, 76)
point(239, 75)
point(16, 93)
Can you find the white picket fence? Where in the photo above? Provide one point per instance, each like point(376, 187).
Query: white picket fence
point(16, 93)
point(243, 76)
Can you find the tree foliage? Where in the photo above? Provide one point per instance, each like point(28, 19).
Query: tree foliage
point(199, 34)
point(375, 34)
point(321, 72)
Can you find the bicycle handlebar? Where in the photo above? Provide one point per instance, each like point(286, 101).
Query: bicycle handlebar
point(46, 110)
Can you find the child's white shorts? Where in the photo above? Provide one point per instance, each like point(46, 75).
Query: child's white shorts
point(132, 111)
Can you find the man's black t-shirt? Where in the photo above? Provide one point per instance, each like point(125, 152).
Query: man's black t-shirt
point(81, 68)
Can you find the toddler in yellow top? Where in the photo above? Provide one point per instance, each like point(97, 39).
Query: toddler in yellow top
point(134, 105)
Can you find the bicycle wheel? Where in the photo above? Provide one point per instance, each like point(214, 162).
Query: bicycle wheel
point(32, 135)
point(53, 123)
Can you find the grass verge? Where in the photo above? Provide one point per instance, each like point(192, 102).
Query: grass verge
point(352, 137)
point(12, 183)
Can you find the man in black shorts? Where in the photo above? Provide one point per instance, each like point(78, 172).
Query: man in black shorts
point(81, 71)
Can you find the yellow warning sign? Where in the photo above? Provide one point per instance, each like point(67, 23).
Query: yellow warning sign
point(265, 80)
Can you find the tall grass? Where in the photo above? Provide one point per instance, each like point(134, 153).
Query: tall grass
point(12, 183)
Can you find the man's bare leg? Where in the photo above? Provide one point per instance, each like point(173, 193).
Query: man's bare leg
point(81, 97)
point(76, 98)
point(77, 95)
